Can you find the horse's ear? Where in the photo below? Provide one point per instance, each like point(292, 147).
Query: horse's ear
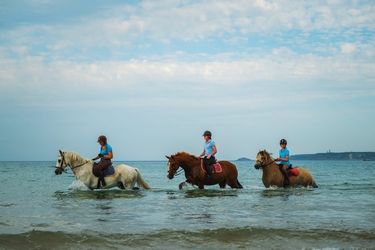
point(258, 150)
point(167, 157)
point(60, 152)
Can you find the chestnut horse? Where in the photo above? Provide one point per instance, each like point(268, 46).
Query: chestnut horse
point(272, 175)
point(195, 175)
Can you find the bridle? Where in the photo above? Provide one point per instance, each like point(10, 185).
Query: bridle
point(176, 172)
point(260, 163)
point(60, 168)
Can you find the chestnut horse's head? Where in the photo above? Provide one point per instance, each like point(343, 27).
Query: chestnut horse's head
point(172, 166)
point(181, 159)
point(263, 159)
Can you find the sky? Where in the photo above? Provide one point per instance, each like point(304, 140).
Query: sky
point(152, 76)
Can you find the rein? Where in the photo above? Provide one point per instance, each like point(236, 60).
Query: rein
point(73, 167)
point(265, 165)
point(269, 163)
point(178, 172)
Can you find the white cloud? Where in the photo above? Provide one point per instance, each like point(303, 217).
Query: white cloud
point(243, 67)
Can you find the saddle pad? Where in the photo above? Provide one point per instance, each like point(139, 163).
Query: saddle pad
point(216, 168)
point(293, 171)
point(109, 171)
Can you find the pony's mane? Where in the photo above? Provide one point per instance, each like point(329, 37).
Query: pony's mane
point(186, 154)
point(267, 153)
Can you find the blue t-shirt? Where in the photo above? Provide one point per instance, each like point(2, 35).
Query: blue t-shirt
point(106, 150)
point(283, 154)
point(208, 147)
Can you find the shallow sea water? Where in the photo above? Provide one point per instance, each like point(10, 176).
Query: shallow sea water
point(40, 210)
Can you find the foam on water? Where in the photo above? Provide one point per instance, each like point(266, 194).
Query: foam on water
point(78, 185)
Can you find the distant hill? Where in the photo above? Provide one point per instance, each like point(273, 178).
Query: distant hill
point(369, 156)
point(243, 159)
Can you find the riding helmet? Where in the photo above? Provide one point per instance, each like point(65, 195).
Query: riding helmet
point(283, 141)
point(102, 138)
point(208, 133)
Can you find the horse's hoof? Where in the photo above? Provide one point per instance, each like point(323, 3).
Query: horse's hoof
point(182, 184)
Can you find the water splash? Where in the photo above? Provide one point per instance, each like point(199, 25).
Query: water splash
point(78, 185)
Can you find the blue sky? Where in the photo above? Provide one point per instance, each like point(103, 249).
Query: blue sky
point(154, 75)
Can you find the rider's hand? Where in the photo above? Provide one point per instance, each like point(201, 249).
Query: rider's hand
point(100, 155)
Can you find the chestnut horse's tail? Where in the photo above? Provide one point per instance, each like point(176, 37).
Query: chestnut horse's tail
point(232, 174)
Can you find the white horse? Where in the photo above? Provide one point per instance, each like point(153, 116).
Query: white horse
point(124, 177)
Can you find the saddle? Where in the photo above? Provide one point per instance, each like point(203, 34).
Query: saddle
point(292, 171)
point(216, 167)
point(107, 172)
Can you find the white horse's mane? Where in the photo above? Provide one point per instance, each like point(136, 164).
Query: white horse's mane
point(77, 158)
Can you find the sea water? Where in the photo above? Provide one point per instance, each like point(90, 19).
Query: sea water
point(41, 210)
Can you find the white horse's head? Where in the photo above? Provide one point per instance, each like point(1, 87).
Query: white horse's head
point(61, 163)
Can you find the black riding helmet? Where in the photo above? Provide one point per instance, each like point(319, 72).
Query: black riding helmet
point(208, 133)
point(283, 141)
point(102, 138)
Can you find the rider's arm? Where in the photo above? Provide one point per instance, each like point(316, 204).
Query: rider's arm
point(214, 152)
point(203, 153)
point(282, 159)
point(109, 156)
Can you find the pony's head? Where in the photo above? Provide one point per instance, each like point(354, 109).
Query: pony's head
point(61, 162)
point(263, 159)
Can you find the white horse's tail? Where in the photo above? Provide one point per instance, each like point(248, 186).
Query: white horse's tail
point(141, 181)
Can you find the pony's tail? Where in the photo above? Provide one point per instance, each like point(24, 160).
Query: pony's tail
point(141, 181)
point(313, 184)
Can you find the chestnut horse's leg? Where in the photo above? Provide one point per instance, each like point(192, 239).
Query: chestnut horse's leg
point(182, 184)
point(222, 184)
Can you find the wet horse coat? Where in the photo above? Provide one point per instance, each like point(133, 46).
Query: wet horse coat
point(195, 175)
point(125, 177)
point(272, 176)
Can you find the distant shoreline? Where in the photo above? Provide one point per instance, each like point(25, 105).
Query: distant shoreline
point(363, 156)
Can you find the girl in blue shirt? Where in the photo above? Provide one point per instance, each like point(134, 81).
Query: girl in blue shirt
point(105, 155)
point(284, 161)
point(208, 154)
